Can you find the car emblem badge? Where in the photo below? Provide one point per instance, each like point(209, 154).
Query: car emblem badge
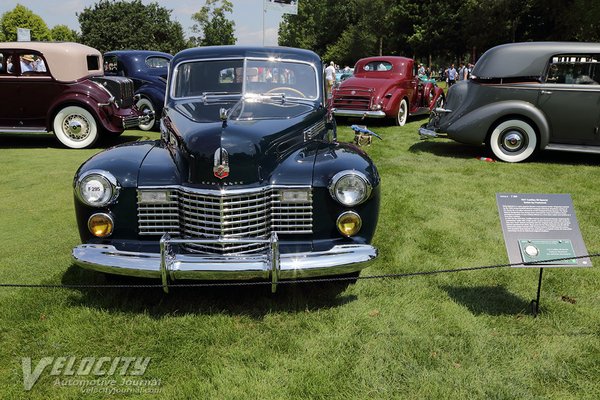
point(353, 92)
point(221, 168)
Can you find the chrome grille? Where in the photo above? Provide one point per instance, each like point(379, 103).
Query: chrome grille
point(159, 217)
point(211, 214)
point(314, 130)
point(352, 99)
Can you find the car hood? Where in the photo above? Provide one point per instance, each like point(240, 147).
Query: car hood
point(248, 145)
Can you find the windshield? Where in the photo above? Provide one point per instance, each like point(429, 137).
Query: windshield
point(248, 77)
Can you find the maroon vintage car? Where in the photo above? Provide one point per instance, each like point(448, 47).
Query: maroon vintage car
point(61, 87)
point(386, 87)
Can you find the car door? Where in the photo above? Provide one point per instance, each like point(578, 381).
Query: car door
point(570, 98)
point(27, 88)
point(9, 88)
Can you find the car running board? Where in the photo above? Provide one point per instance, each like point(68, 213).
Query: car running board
point(576, 148)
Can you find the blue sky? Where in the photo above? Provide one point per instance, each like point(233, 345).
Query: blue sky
point(247, 14)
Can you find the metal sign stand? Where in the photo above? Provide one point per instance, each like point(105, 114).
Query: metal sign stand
point(535, 304)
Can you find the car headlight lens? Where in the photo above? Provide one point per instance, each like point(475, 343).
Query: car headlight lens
point(101, 225)
point(97, 188)
point(350, 188)
point(349, 223)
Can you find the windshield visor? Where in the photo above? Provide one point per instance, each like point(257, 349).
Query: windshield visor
point(248, 77)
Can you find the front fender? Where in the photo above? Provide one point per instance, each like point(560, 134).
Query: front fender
point(123, 162)
point(473, 127)
point(331, 159)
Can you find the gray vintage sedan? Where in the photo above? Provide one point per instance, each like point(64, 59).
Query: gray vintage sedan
point(526, 97)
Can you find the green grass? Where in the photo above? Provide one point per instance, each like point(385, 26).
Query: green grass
point(466, 335)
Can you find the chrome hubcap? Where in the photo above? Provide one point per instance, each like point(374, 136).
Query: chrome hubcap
point(513, 141)
point(76, 127)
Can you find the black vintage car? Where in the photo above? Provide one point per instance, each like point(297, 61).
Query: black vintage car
point(247, 181)
point(148, 70)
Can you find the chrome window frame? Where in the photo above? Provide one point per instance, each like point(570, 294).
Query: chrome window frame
point(171, 90)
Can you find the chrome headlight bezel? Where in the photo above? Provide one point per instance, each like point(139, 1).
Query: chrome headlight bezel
point(109, 183)
point(338, 179)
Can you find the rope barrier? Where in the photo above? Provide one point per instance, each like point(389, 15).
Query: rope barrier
point(297, 281)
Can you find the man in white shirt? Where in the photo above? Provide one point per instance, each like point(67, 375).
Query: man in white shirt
point(330, 77)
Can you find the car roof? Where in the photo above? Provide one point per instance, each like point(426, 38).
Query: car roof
point(66, 60)
point(142, 53)
point(526, 59)
point(246, 51)
point(391, 59)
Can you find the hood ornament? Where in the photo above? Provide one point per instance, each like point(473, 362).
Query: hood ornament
point(221, 165)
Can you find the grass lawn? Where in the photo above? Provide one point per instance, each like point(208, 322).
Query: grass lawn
point(466, 335)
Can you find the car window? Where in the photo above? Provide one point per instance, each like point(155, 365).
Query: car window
point(378, 66)
point(157, 62)
point(6, 65)
point(110, 65)
point(93, 63)
point(574, 70)
point(32, 64)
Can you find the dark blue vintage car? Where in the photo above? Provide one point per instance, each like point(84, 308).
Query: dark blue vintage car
point(148, 71)
point(247, 181)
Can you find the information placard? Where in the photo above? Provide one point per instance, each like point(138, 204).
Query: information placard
point(541, 227)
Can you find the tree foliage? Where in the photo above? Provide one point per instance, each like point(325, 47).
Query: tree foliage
point(119, 25)
point(433, 30)
point(22, 17)
point(212, 26)
point(62, 33)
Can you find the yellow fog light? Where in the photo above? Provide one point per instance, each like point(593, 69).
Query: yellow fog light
point(349, 223)
point(100, 225)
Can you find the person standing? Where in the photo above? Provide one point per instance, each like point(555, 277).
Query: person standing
point(330, 77)
point(451, 75)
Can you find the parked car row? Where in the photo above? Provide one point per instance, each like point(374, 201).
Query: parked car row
point(248, 180)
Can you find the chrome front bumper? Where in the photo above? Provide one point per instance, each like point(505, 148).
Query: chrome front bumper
point(358, 113)
point(271, 265)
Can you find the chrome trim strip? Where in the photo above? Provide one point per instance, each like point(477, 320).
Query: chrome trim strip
point(23, 130)
point(358, 113)
point(224, 191)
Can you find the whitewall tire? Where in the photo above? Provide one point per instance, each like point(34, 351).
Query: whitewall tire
point(513, 140)
point(402, 113)
point(142, 105)
point(75, 127)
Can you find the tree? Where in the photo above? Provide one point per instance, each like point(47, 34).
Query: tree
point(212, 25)
point(22, 17)
point(119, 25)
point(62, 33)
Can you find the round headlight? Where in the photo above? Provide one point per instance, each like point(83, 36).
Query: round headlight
point(350, 188)
point(349, 223)
point(100, 225)
point(97, 188)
